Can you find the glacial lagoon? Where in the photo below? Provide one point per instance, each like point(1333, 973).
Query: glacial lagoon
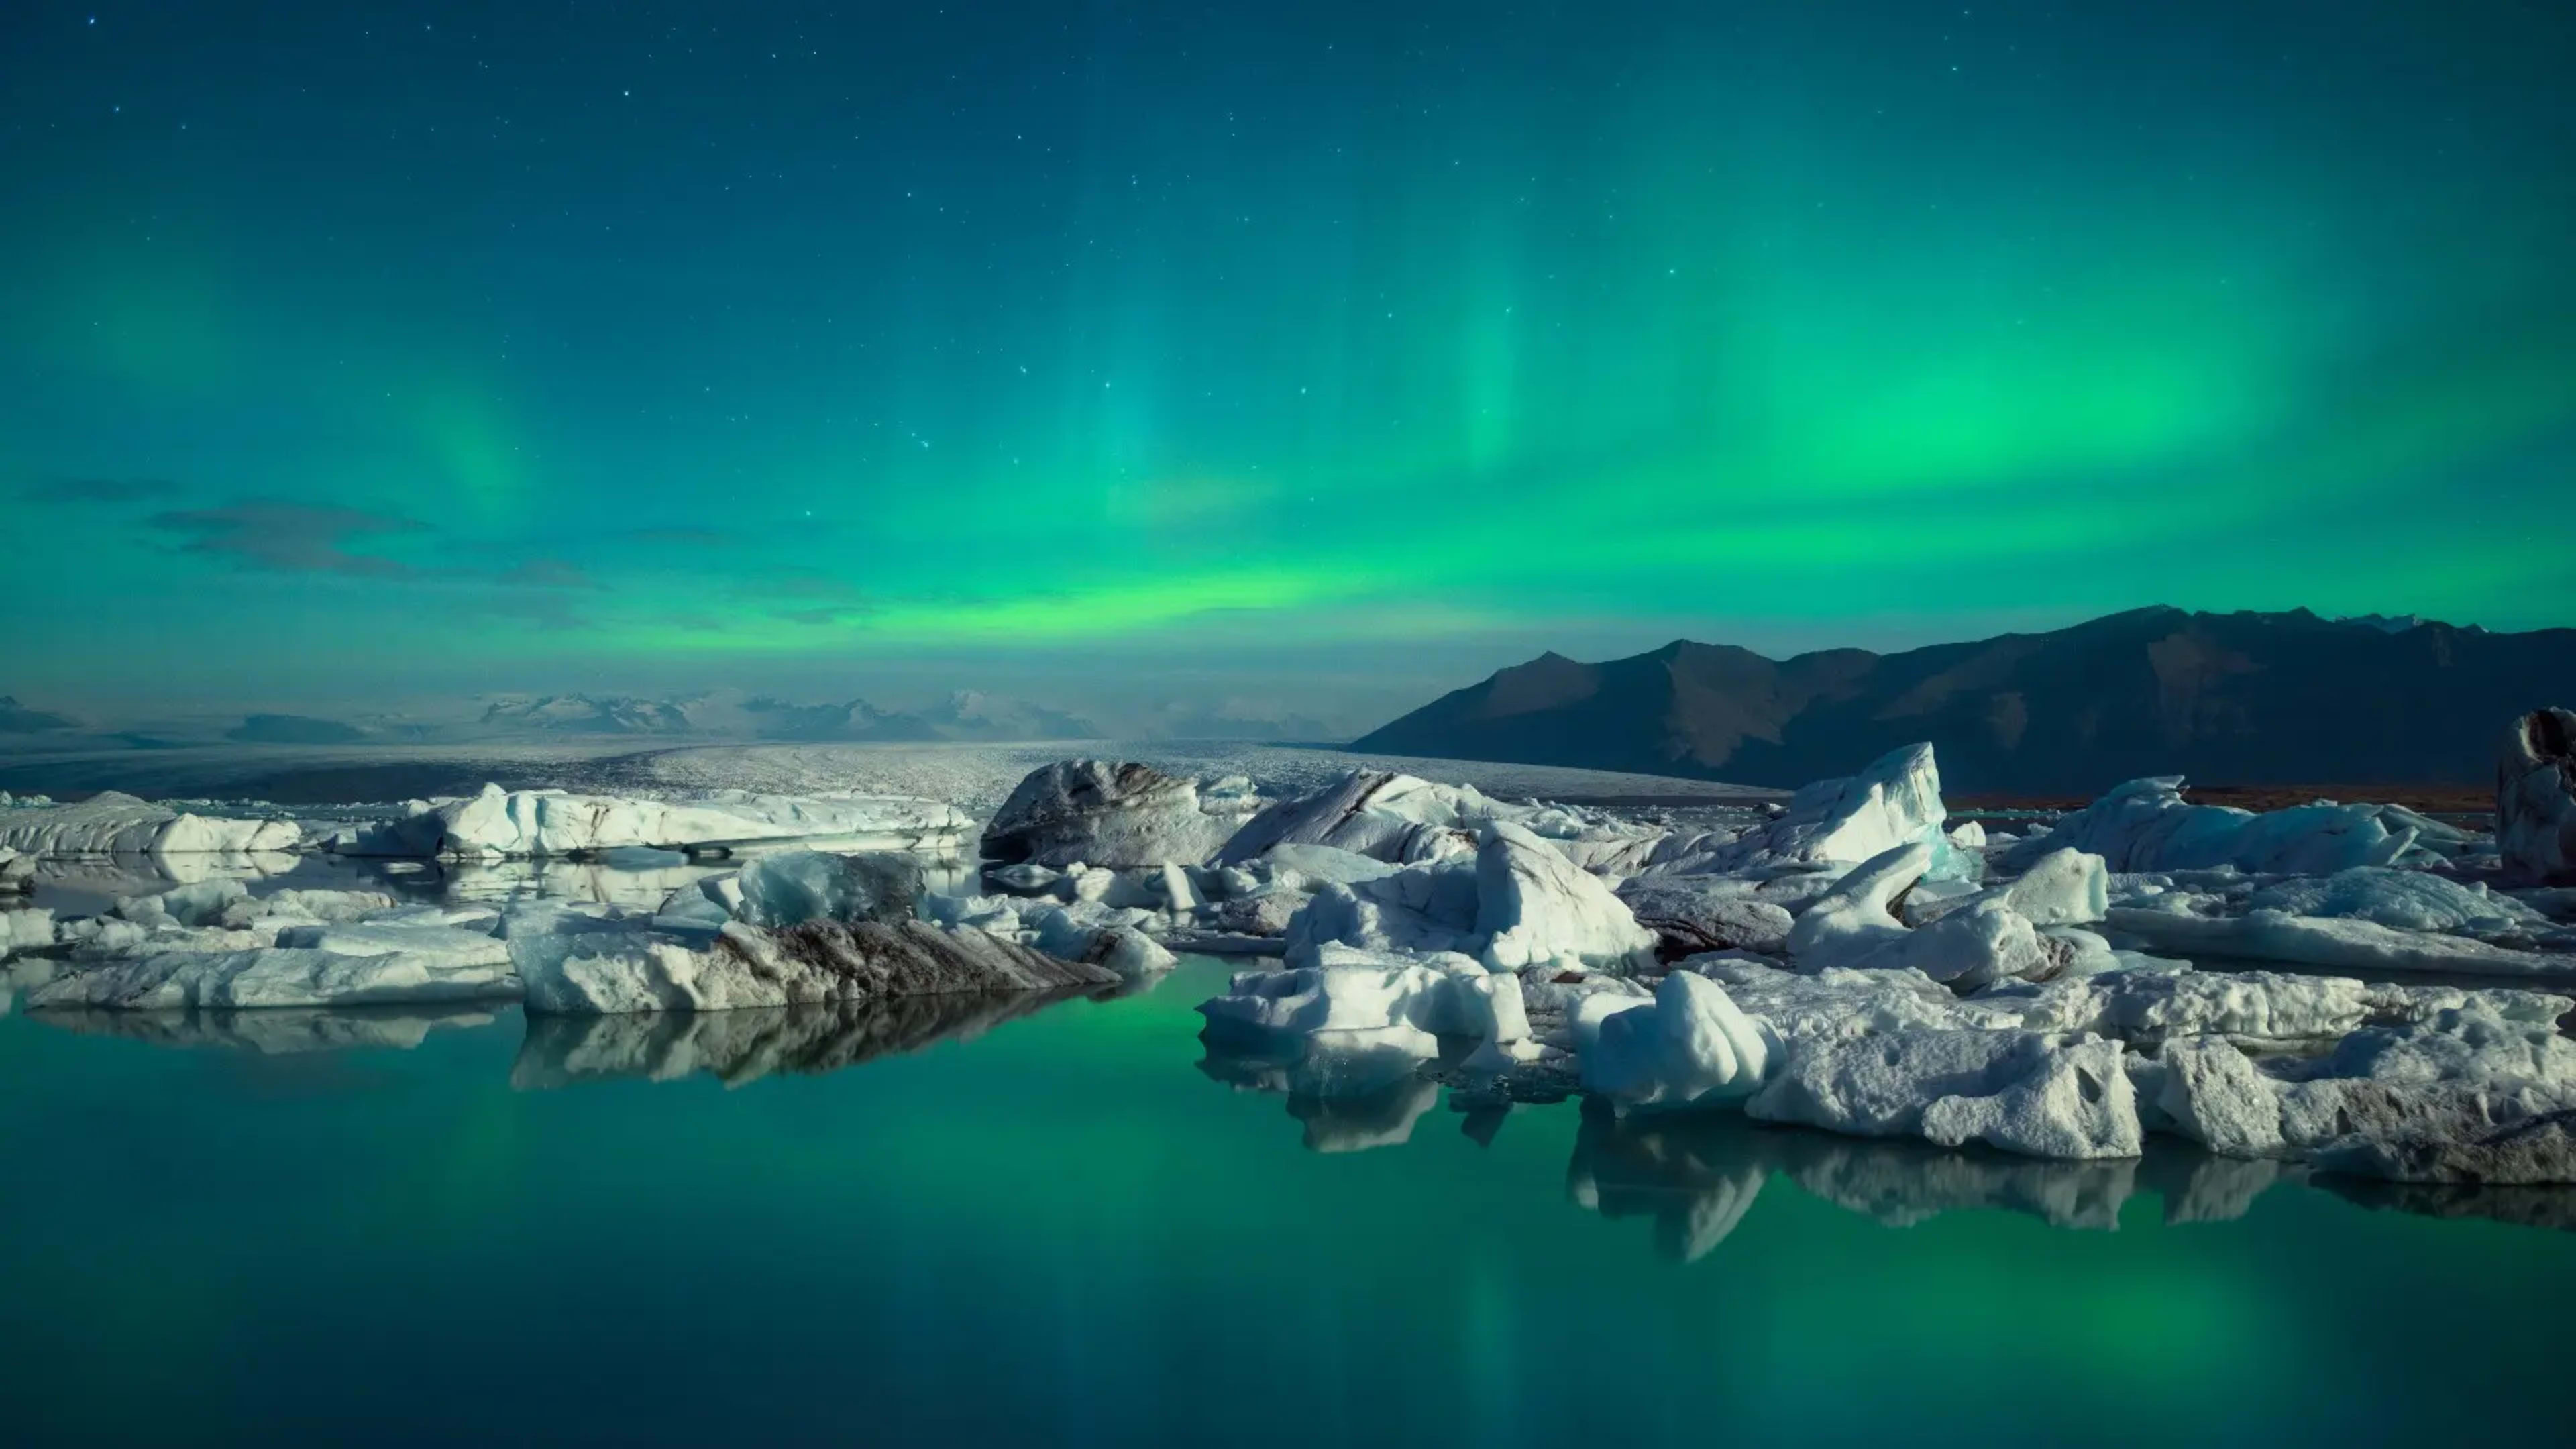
point(1063, 1221)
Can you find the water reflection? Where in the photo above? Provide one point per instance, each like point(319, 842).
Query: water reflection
point(1697, 1176)
point(1350, 1101)
point(269, 1032)
point(748, 1043)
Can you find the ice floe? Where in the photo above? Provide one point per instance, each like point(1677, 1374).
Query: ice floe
point(2146, 825)
point(110, 823)
point(511, 824)
point(1108, 813)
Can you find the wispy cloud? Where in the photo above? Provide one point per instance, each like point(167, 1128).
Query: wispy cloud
point(290, 537)
point(96, 490)
point(549, 573)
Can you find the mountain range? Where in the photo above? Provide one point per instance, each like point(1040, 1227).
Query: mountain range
point(2242, 698)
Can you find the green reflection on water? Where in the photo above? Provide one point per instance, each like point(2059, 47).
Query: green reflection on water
point(1062, 1229)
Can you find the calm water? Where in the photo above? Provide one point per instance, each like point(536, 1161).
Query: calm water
point(1063, 1227)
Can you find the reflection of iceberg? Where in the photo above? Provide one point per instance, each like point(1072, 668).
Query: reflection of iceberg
point(1349, 1100)
point(1901, 1183)
point(2547, 1205)
point(1695, 1174)
point(91, 883)
point(268, 1032)
point(751, 1042)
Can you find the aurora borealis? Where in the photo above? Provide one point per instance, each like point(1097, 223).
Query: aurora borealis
point(357, 350)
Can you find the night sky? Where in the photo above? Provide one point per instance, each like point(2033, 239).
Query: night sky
point(1330, 353)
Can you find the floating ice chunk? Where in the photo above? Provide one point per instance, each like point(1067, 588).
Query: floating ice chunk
point(276, 977)
point(23, 929)
point(110, 823)
point(1025, 876)
point(794, 886)
point(1108, 813)
point(2536, 798)
point(1321, 863)
point(2061, 888)
point(1533, 905)
point(1356, 1000)
point(1398, 818)
point(304, 905)
point(1690, 1048)
point(2039, 1094)
point(1895, 801)
point(536, 823)
point(1834, 1004)
point(2350, 945)
point(1353, 1001)
point(2405, 900)
point(1851, 927)
point(1968, 835)
point(1687, 917)
point(448, 946)
point(2459, 1094)
point(197, 903)
point(1425, 908)
point(2212, 1093)
point(1104, 937)
point(2146, 825)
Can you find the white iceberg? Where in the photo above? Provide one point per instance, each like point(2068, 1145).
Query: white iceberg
point(2035, 1093)
point(110, 823)
point(510, 824)
point(1852, 927)
point(2335, 944)
point(1109, 813)
point(1401, 819)
point(1690, 1047)
point(1895, 801)
point(2146, 825)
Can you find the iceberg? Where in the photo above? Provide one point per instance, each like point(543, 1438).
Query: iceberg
point(1106, 813)
point(1404, 820)
point(513, 824)
point(2035, 1093)
point(1690, 1047)
point(2146, 825)
point(1693, 915)
point(1518, 903)
point(110, 823)
point(2536, 798)
point(1853, 927)
point(1895, 801)
point(2335, 944)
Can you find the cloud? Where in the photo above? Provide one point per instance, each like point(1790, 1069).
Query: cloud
point(541, 611)
point(549, 573)
point(290, 537)
point(829, 614)
point(698, 537)
point(96, 490)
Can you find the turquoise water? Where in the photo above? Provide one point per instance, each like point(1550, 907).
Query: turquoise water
point(1066, 1229)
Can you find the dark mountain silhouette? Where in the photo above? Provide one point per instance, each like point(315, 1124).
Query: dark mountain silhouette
point(294, 729)
point(2241, 698)
point(17, 719)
